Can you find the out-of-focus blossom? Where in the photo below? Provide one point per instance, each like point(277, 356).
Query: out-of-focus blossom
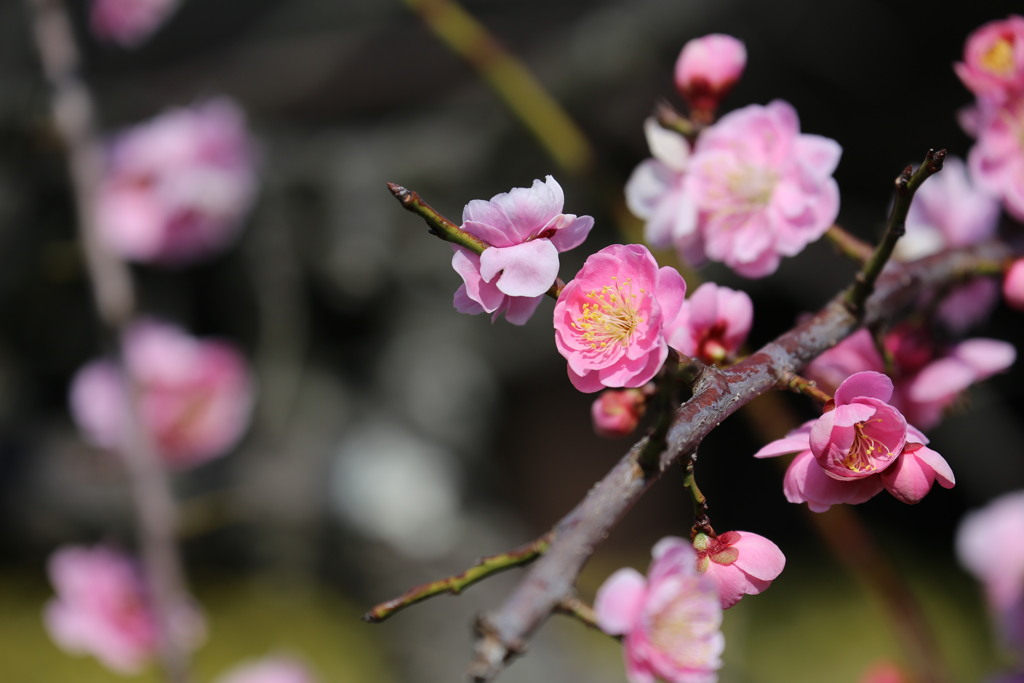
point(997, 158)
point(739, 562)
point(129, 22)
point(884, 672)
point(764, 189)
point(525, 230)
point(990, 545)
point(993, 66)
point(269, 670)
point(608, 320)
point(176, 188)
point(616, 412)
point(712, 324)
point(1013, 285)
point(854, 451)
point(196, 395)
point(671, 620)
point(928, 378)
point(102, 609)
point(706, 70)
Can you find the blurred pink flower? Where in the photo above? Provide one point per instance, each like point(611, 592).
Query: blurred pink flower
point(177, 188)
point(763, 189)
point(617, 412)
point(993, 66)
point(269, 670)
point(671, 620)
point(706, 70)
point(1013, 285)
point(526, 230)
point(854, 451)
point(196, 395)
point(608, 320)
point(102, 609)
point(739, 562)
point(129, 22)
point(927, 379)
point(884, 672)
point(997, 158)
point(712, 324)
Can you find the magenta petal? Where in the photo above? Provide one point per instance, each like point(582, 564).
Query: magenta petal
point(527, 269)
point(869, 384)
point(572, 234)
point(519, 309)
point(758, 556)
point(732, 583)
point(793, 442)
point(619, 601)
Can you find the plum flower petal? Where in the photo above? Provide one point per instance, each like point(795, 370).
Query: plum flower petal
point(525, 230)
point(274, 669)
point(608, 320)
point(741, 563)
point(176, 189)
point(997, 159)
point(707, 69)
point(1013, 285)
point(712, 324)
point(196, 396)
point(129, 22)
point(671, 621)
point(912, 475)
point(993, 66)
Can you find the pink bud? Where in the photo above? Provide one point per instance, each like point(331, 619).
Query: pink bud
point(739, 562)
point(707, 69)
point(1013, 285)
point(616, 413)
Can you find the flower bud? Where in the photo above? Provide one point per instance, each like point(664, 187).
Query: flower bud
point(1013, 285)
point(707, 69)
point(616, 413)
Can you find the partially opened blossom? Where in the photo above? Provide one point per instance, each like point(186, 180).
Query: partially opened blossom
point(707, 69)
point(196, 395)
point(617, 412)
point(176, 189)
point(273, 669)
point(712, 324)
point(102, 609)
point(129, 22)
point(764, 190)
point(993, 66)
point(671, 620)
point(525, 230)
point(609, 318)
point(1013, 285)
point(739, 562)
point(859, 448)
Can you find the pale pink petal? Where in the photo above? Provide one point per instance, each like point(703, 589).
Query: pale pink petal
point(667, 146)
point(759, 557)
point(527, 269)
point(619, 601)
point(869, 384)
point(572, 232)
point(794, 442)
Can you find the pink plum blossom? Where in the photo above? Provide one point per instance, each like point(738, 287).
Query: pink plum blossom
point(997, 158)
point(927, 378)
point(671, 620)
point(608, 320)
point(102, 608)
point(706, 70)
point(764, 190)
point(617, 412)
point(269, 670)
point(739, 562)
point(1013, 285)
point(857, 449)
point(196, 395)
point(525, 230)
point(176, 188)
point(712, 324)
point(129, 22)
point(993, 66)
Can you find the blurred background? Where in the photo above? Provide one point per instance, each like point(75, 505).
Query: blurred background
point(395, 441)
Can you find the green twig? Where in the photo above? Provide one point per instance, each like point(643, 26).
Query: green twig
point(670, 119)
point(456, 584)
point(802, 385)
point(574, 607)
point(854, 248)
point(906, 185)
point(701, 520)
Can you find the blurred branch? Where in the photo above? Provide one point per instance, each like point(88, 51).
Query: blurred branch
point(718, 393)
point(74, 117)
point(510, 79)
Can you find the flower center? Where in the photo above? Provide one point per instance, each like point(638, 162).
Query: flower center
point(864, 450)
point(752, 186)
point(610, 316)
point(998, 59)
point(684, 628)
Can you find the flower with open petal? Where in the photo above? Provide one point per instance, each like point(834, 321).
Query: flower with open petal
point(739, 562)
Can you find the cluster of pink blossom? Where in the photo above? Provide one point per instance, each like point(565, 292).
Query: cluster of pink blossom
point(859, 447)
point(129, 22)
point(195, 395)
point(993, 69)
point(102, 608)
point(525, 230)
point(752, 188)
point(176, 188)
point(928, 377)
